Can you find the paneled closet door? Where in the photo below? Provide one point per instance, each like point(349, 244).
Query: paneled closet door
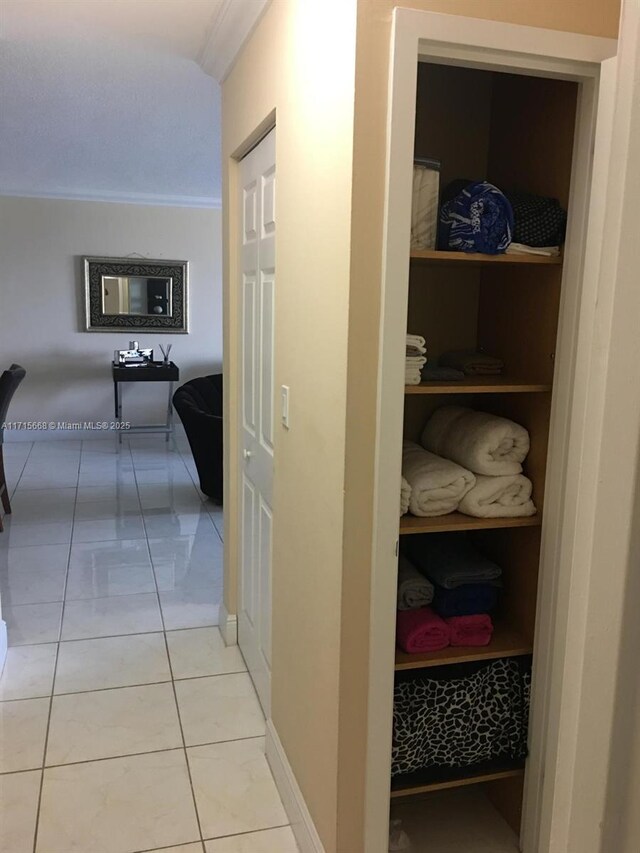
point(257, 283)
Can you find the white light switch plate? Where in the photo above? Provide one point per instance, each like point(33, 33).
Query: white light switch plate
point(284, 405)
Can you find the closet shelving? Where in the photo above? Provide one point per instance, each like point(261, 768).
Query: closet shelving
point(475, 258)
point(516, 132)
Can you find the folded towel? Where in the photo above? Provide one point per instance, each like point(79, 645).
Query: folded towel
point(405, 496)
point(414, 590)
point(437, 485)
point(415, 361)
point(424, 207)
point(421, 631)
point(416, 351)
point(465, 600)
point(472, 363)
point(477, 219)
point(499, 497)
point(523, 249)
point(441, 374)
point(473, 630)
point(417, 341)
point(450, 560)
point(412, 377)
point(483, 443)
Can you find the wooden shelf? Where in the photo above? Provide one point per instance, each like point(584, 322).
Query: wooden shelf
point(473, 779)
point(458, 521)
point(474, 258)
point(505, 643)
point(479, 385)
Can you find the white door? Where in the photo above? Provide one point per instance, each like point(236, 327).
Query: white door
point(257, 282)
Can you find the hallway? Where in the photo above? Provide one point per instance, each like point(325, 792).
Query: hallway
point(126, 724)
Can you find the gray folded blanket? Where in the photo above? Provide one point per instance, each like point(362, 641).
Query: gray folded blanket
point(414, 590)
point(472, 363)
point(451, 560)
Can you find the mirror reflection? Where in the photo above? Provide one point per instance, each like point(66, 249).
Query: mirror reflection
point(148, 296)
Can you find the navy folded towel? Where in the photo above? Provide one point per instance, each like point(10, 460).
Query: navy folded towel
point(477, 219)
point(466, 600)
point(451, 560)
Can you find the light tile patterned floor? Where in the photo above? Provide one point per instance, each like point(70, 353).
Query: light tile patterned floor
point(126, 725)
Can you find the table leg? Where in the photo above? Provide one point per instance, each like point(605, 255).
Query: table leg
point(119, 410)
point(170, 413)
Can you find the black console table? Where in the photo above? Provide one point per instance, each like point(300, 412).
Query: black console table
point(155, 371)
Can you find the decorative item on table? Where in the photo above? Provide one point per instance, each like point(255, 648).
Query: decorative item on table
point(475, 216)
point(165, 352)
point(134, 356)
point(424, 205)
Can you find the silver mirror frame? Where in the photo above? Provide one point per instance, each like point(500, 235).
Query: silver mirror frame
point(97, 321)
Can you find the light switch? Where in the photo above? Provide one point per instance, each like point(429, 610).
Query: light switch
point(284, 407)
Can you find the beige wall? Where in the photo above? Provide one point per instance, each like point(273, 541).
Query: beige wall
point(42, 302)
point(300, 63)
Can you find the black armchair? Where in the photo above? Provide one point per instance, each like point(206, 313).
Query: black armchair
point(9, 381)
point(199, 405)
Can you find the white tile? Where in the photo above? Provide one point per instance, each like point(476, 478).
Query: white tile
point(171, 475)
point(108, 554)
point(219, 708)
point(28, 672)
point(183, 848)
point(187, 562)
point(268, 841)
point(111, 662)
point(234, 789)
point(109, 617)
point(163, 525)
point(191, 608)
point(109, 508)
point(104, 581)
point(23, 727)
point(19, 794)
point(107, 529)
point(47, 480)
point(33, 574)
point(33, 623)
point(117, 805)
point(126, 495)
point(183, 497)
point(108, 723)
point(43, 506)
point(20, 535)
point(106, 477)
point(201, 651)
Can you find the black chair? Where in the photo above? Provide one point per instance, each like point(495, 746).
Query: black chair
point(199, 405)
point(9, 381)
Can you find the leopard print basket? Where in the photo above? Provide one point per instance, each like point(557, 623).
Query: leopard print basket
point(460, 717)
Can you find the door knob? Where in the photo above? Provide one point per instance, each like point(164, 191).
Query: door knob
point(246, 454)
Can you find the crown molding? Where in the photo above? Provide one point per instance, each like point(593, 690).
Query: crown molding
point(151, 199)
point(229, 30)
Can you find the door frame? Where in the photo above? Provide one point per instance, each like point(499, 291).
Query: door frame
point(561, 621)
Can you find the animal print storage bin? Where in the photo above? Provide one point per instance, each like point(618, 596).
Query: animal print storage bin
point(461, 716)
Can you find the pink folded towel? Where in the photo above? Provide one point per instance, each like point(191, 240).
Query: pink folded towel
point(421, 630)
point(473, 630)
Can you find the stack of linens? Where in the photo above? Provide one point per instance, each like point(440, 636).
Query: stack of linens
point(415, 359)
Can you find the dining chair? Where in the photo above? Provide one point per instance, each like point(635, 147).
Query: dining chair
point(9, 381)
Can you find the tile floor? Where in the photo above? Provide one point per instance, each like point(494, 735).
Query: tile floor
point(126, 725)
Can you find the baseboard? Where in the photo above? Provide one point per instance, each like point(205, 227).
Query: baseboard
point(228, 624)
point(3, 644)
point(292, 799)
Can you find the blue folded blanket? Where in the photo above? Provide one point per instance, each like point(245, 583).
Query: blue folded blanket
point(465, 600)
point(478, 219)
point(451, 560)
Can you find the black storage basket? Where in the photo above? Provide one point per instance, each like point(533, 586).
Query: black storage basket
point(472, 716)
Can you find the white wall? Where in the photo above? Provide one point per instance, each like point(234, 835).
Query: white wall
point(42, 303)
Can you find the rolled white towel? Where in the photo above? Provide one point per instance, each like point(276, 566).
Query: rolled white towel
point(437, 485)
point(405, 496)
point(483, 443)
point(499, 497)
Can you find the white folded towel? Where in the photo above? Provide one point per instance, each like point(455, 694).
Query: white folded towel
point(405, 496)
point(415, 361)
point(417, 342)
point(499, 497)
point(412, 376)
point(424, 208)
point(523, 249)
point(437, 485)
point(483, 443)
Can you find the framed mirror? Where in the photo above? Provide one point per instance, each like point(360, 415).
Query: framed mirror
point(133, 293)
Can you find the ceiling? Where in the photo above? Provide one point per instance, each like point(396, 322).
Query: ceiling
point(180, 27)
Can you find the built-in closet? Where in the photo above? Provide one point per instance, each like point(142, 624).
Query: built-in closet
point(515, 131)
